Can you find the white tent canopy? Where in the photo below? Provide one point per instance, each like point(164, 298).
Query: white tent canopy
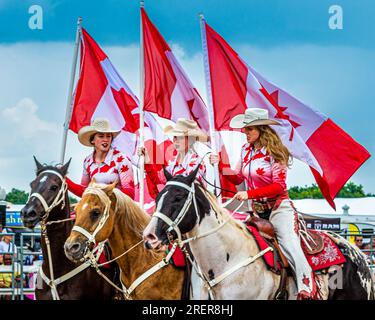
point(357, 206)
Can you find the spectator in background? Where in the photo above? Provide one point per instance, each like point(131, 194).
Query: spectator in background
point(366, 250)
point(7, 246)
point(359, 242)
point(6, 278)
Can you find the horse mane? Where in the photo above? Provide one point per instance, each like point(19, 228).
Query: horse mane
point(224, 214)
point(135, 218)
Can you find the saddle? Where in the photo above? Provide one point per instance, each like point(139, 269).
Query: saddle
point(315, 241)
point(281, 265)
point(267, 231)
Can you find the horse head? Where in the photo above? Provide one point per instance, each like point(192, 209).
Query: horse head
point(48, 190)
point(180, 206)
point(94, 220)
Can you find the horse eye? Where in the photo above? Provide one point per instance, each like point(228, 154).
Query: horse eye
point(95, 213)
point(53, 188)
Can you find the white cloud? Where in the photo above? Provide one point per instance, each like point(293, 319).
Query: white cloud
point(25, 120)
point(35, 83)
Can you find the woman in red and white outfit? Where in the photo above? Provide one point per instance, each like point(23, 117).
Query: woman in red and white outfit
point(263, 165)
point(106, 164)
point(185, 133)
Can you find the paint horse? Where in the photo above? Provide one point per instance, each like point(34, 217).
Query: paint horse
point(228, 255)
point(48, 204)
point(104, 212)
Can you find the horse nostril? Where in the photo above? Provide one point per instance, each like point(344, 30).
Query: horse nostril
point(151, 237)
point(74, 247)
point(31, 214)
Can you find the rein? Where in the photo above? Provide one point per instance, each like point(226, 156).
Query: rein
point(90, 258)
point(173, 225)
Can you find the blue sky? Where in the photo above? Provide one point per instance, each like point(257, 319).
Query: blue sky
point(260, 22)
point(288, 41)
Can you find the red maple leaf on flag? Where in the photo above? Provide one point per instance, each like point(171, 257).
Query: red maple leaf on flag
point(120, 159)
point(260, 171)
point(115, 152)
point(268, 159)
point(124, 168)
point(273, 98)
point(115, 171)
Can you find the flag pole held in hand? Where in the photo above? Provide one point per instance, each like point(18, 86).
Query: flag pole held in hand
point(70, 93)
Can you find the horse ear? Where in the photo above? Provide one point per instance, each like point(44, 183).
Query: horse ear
point(108, 189)
point(65, 167)
point(39, 166)
point(191, 177)
point(167, 175)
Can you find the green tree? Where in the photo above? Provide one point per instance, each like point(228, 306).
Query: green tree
point(350, 190)
point(20, 197)
point(17, 196)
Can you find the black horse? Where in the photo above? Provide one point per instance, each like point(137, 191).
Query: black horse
point(87, 284)
point(355, 276)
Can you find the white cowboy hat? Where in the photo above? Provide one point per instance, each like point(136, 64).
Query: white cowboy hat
point(97, 125)
point(186, 128)
point(252, 117)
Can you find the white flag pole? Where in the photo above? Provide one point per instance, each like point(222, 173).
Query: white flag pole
point(141, 114)
point(70, 93)
point(209, 101)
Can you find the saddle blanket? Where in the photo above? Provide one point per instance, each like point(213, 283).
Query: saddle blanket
point(329, 256)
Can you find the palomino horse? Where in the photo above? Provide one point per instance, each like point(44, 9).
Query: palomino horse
point(104, 212)
point(48, 204)
point(227, 254)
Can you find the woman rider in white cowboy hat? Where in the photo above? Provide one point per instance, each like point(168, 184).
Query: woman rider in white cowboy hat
point(106, 164)
point(263, 164)
point(185, 133)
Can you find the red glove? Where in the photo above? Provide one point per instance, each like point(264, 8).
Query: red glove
point(75, 188)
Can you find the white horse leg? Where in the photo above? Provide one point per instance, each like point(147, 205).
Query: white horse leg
point(196, 292)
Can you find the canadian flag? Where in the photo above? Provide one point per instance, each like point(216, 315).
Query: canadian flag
point(168, 90)
point(101, 92)
point(333, 156)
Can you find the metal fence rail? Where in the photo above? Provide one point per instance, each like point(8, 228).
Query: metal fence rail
point(18, 268)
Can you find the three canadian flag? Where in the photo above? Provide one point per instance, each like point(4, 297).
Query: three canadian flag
point(332, 155)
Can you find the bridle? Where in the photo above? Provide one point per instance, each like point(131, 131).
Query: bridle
point(60, 198)
point(107, 202)
point(173, 225)
point(88, 255)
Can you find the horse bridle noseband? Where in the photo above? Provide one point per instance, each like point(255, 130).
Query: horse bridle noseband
point(60, 198)
point(173, 225)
